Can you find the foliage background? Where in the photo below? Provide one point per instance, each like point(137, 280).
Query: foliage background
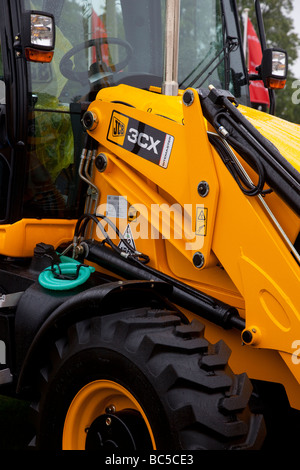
point(280, 32)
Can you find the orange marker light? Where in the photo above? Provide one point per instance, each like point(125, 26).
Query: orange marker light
point(34, 55)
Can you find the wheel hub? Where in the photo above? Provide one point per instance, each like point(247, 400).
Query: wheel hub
point(124, 430)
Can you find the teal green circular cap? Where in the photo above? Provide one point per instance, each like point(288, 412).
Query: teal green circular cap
point(65, 277)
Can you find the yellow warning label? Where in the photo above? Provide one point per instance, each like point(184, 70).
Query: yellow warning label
point(118, 128)
point(201, 221)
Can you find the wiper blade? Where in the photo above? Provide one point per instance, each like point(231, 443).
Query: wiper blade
point(231, 44)
point(197, 67)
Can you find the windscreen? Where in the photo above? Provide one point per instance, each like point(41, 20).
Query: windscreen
point(210, 47)
point(106, 42)
point(201, 44)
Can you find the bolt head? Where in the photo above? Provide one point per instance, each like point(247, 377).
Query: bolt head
point(90, 120)
point(198, 260)
point(188, 97)
point(203, 188)
point(101, 162)
point(110, 409)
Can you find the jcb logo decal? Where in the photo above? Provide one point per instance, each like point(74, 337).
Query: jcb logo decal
point(144, 141)
point(118, 128)
point(139, 138)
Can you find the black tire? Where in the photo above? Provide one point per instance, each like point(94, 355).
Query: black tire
point(190, 397)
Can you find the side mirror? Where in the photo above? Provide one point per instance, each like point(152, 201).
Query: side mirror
point(274, 68)
point(38, 36)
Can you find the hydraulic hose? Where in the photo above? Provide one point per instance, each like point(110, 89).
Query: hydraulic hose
point(183, 295)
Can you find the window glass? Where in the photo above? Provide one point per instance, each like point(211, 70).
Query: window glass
point(2, 84)
point(4, 168)
point(99, 43)
point(201, 51)
point(209, 49)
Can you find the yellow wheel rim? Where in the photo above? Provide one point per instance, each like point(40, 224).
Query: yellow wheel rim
point(92, 401)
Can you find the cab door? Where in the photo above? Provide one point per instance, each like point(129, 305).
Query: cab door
point(13, 116)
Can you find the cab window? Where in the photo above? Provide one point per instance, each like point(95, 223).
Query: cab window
point(4, 167)
point(99, 43)
point(2, 84)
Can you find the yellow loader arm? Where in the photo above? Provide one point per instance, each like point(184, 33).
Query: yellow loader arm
point(239, 247)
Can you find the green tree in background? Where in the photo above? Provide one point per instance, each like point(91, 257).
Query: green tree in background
point(279, 28)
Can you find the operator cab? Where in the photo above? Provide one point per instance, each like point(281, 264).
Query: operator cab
point(102, 43)
point(99, 43)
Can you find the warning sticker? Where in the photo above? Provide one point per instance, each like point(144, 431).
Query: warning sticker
point(201, 221)
point(116, 207)
point(127, 235)
point(139, 138)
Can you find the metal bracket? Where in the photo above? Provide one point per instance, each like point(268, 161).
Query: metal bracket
point(5, 376)
point(10, 300)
